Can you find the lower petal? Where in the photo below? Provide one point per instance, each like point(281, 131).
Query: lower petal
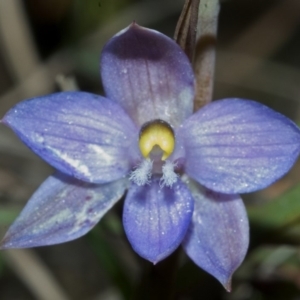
point(218, 237)
point(61, 210)
point(156, 218)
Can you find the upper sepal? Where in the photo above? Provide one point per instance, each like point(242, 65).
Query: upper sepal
point(61, 210)
point(156, 218)
point(149, 75)
point(81, 134)
point(218, 237)
point(238, 146)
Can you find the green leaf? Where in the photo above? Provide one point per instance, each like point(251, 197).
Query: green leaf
point(8, 215)
point(110, 261)
point(279, 213)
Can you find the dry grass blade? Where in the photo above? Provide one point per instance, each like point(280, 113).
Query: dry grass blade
point(31, 270)
point(17, 42)
point(186, 28)
point(39, 82)
point(15, 35)
point(185, 31)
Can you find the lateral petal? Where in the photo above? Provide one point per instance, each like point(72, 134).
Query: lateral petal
point(238, 146)
point(156, 218)
point(61, 210)
point(80, 134)
point(149, 75)
point(218, 237)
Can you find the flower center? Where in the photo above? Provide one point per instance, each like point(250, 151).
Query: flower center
point(157, 133)
point(157, 142)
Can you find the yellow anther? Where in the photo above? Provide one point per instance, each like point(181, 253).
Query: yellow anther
point(157, 133)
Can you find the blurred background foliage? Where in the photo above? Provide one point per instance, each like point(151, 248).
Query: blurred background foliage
point(45, 45)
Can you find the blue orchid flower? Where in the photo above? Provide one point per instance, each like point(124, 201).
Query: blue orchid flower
point(182, 171)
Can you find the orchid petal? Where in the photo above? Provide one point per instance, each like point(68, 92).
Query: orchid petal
point(156, 218)
point(80, 134)
point(61, 210)
point(238, 146)
point(149, 75)
point(218, 237)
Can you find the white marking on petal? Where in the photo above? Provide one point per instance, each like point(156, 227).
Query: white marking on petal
point(101, 152)
point(169, 176)
point(89, 212)
point(142, 174)
point(75, 163)
point(56, 218)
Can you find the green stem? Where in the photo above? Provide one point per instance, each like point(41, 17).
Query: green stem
point(157, 281)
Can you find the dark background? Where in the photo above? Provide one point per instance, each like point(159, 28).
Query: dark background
point(48, 44)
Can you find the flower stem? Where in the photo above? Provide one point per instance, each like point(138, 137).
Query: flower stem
point(205, 51)
point(157, 281)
